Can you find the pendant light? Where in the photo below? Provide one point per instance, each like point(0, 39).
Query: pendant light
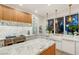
point(20, 4)
point(55, 21)
point(47, 15)
point(47, 11)
point(70, 18)
point(56, 17)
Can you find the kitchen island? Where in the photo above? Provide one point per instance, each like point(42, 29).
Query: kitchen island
point(67, 43)
point(39, 46)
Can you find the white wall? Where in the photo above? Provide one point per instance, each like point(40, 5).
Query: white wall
point(35, 24)
point(43, 23)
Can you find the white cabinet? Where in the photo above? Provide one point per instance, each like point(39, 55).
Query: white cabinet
point(58, 41)
point(58, 44)
point(68, 46)
point(77, 48)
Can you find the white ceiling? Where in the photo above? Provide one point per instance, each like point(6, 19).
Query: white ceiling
point(44, 8)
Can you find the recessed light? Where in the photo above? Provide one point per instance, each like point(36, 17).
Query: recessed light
point(20, 4)
point(36, 11)
point(49, 4)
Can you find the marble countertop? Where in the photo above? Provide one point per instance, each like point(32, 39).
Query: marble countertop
point(64, 37)
point(31, 47)
point(71, 38)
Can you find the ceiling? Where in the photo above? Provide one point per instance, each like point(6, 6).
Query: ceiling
point(43, 9)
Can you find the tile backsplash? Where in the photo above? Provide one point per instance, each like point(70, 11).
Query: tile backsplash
point(8, 28)
point(14, 31)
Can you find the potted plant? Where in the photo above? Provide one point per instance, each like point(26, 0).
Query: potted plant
point(73, 28)
point(49, 29)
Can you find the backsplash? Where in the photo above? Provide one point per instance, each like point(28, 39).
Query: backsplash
point(14, 31)
point(12, 23)
point(8, 28)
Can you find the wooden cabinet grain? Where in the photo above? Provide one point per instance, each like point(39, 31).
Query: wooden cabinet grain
point(0, 12)
point(25, 18)
point(7, 13)
point(17, 17)
point(50, 51)
point(29, 18)
point(10, 14)
point(22, 17)
point(14, 15)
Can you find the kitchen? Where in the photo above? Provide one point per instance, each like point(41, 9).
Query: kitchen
point(23, 30)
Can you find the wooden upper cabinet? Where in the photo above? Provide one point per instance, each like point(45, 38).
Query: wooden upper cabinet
point(7, 13)
point(0, 12)
point(25, 18)
point(10, 14)
point(13, 15)
point(19, 16)
point(22, 17)
point(29, 18)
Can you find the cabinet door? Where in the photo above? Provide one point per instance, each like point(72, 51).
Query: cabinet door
point(22, 17)
point(29, 18)
point(25, 18)
point(68, 46)
point(77, 48)
point(0, 12)
point(7, 13)
point(17, 17)
point(14, 15)
point(58, 44)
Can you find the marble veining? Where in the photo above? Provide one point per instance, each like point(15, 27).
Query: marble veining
point(31, 47)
